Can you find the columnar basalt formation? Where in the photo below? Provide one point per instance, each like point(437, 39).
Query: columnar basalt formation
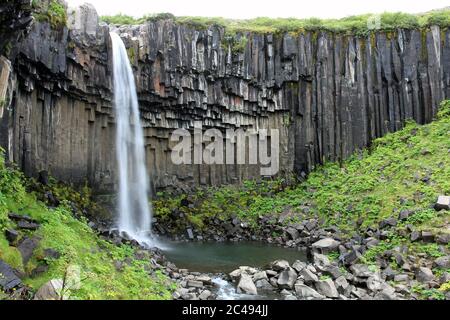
point(328, 94)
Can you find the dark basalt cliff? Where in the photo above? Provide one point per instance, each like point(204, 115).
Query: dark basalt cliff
point(328, 94)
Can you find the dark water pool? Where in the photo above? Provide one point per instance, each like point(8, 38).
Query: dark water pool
point(225, 257)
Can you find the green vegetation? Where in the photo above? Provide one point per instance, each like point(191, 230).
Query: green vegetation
point(360, 25)
point(405, 170)
point(55, 13)
point(66, 231)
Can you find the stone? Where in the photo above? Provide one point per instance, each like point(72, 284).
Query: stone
point(40, 269)
point(83, 19)
point(415, 236)
point(205, 295)
point(52, 290)
point(307, 276)
point(195, 284)
point(279, 265)
point(298, 265)
point(390, 222)
point(27, 225)
point(305, 292)
point(442, 262)
point(404, 214)
point(424, 275)
point(11, 235)
point(287, 278)
point(8, 278)
point(290, 297)
point(361, 270)
point(443, 238)
point(327, 288)
point(263, 284)
point(293, 233)
point(260, 276)
point(442, 203)
point(190, 234)
point(351, 257)
point(326, 245)
point(321, 260)
point(26, 248)
point(341, 284)
point(401, 278)
point(51, 254)
point(246, 285)
point(374, 283)
point(427, 236)
point(204, 279)
point(333, 271)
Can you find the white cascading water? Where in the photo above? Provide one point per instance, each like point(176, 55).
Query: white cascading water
point(134, 209)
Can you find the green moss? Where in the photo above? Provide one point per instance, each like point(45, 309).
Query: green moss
point(354, 25)
point(76, 242)
point(55, 14)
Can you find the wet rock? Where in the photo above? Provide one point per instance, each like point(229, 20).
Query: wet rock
point(305, 292)
point(442, 203)
point(287, 278)
point(11, 235)
point(326, 245)
point(8, 278)
point(327, 288)
point(246, 285)
point(279, 265)
point(424, 275)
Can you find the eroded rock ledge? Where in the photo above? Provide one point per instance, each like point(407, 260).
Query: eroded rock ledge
point(328, 94)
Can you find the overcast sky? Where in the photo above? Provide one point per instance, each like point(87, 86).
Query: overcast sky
point(242, 9)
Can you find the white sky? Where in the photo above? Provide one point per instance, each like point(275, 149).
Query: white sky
point(243, 9)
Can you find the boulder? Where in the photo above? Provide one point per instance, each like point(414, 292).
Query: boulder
point(279, 265)
point(8, 278)
point(190, 234)
point(307, 276)
point(246, 285)
point(305, 292)
point(298, 265)
point(195, 284)
point(11, 235)
point(26, 248)
point(442, 262)
point(321, 260)
point(52, 290)
point(424, 275)
point(442, 203)
point(390, 222)
point(443, 238)
point(361, 270)
point(260, 276)
point(293, 233)
point(327, 288)
point(287, 278)
point(427, 236)
point(22, 224)
point(325, 245)
point(341, 285)
point(205, 295)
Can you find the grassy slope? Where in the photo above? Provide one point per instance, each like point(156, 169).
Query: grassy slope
point(78, 245)
point(357, 25)
point(403, 170)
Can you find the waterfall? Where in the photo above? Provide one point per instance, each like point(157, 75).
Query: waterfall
point(134, 212)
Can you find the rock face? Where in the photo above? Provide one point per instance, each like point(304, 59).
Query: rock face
point(327, 94)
